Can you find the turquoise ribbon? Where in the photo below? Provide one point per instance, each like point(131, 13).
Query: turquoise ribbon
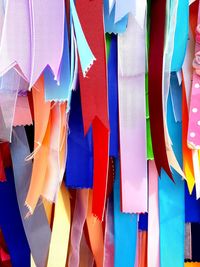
point(171, 203)
point(125, 229)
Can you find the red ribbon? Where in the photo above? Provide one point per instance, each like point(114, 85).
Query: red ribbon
point(157, 34)
point(94, 97)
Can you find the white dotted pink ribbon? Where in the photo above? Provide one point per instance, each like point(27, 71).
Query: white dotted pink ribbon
point(193, 138)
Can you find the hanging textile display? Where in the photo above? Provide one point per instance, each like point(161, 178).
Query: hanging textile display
point(99, 133)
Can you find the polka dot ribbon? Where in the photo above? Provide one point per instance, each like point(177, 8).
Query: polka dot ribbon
point(193, 138)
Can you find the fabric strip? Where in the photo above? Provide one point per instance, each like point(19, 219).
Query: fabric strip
point(36, 227)
point(132, 117)
point(61, 230)
point(94, 98)
point(124, 241)
point(109, 235)
point(157, 28)
point(153, 218)
point(171, 204)
point(79, 217)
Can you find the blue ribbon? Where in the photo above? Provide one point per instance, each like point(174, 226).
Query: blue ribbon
point(109, 20)
point(11, 224)
point(79, 169)
point(125, 230)
point(171, 203)
point(175, 92)
point(61, 92)
point(113, 97)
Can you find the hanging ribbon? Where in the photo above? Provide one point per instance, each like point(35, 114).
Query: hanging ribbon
point(80, 149)
point(193, 138)
point(109, 235)
point(113, 98)
point(22, 112)
point(187, 153)
point(61, 230)
point(94, 92)
point(15, 49)
point(60, 91)
point(181, 35)
point(171, 204)
point(132, 118)
point(195, 229)
point(124, 241)
point(10, 86)
point(95, 232)
point(85, 54)
point(79, 217)
point(188, 243)
point(109, 20)
point(153, 218)
point(41, 145)
point(11, 223)
point(157, 28)
point(47, 36)
point(36, 227)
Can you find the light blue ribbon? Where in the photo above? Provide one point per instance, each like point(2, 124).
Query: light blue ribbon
point(125, 229)
point(171, 203)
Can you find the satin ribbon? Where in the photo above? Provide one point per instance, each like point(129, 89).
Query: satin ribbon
point(175, 93)
point(41, 145)
point(192, 264)
point(109, 20)
point(156, 50)
point(135, 8)
point(36, 227)
point(95, 232)
point(192, 207)
point(47, 36)
point(143, 222)
point(22, 112)
point(11, 223)
point(142, 253)
point(61, 230)
point(113, 98)
point(150, 155)
point(31, 40)
point(60, 91)
point(195, 229)
point(79, 217)
point(187, 153)
point(181, 35)
point(80, 149)
point(109, 235)
point(171, 204)
point(132, 118)
point(94, 98)
point(86, 257)
point(10, 86)
point(57, 152)
point(187, 66)
point(188, 243)
point(193, 136)
point(15, 49)
point(153, 218)
point(124, 241)
point(85, 54)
